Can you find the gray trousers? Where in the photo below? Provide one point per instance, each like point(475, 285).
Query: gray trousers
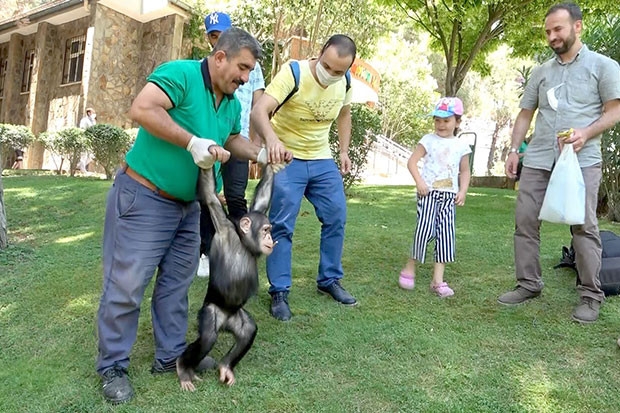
point(145, 232)
point(586, 238)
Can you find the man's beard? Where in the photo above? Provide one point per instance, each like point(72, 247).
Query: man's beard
point(566, 44)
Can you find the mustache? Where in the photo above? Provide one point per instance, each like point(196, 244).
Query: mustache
point(239, 82)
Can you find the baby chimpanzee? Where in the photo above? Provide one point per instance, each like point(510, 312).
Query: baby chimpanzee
point(233, 280)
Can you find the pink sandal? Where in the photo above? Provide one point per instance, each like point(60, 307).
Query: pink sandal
point(406, 281)
point(442, 290)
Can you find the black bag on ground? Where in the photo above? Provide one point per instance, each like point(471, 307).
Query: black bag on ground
point(610, 263)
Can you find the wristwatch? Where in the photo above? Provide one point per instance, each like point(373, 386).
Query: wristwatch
point(514, 150)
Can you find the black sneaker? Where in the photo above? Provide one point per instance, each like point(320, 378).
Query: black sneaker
point(338, 293)
point(163, 367)
point(279, 306)
point(116, 386)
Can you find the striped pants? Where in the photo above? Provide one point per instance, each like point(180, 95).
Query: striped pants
point(436, 212)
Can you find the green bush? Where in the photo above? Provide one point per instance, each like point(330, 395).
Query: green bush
point(603, 36)
point(133, 134)
point(108, 143)
point(13, 137)
point(68, 143)
point(610, 185)
point(365, 125)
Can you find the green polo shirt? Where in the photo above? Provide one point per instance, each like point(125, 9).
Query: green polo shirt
point(171, 168)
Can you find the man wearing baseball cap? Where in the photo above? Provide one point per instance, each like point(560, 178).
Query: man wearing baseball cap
point(235, 171)
point(217, 22)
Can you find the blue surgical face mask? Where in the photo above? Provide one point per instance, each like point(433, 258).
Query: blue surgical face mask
point(324, 77)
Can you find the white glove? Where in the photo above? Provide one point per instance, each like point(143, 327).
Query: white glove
point(261, 158)
point(199, 148)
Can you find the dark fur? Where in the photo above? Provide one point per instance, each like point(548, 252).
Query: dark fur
point(233, 278)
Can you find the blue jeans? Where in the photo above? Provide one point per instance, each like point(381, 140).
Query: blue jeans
point(145, 232)
point(321, 183)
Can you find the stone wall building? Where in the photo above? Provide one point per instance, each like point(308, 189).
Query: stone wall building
point(67, 55)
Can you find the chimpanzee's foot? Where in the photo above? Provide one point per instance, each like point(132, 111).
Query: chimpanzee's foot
point(186, 377)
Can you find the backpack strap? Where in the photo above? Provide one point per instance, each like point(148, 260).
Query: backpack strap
point(294, 65)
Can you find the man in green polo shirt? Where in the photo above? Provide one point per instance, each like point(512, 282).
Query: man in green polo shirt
point(189, 119)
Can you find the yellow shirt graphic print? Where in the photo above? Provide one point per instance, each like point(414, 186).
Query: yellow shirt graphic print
point(303, 122)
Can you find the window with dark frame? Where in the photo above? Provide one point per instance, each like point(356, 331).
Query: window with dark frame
point(27, 73)
point(74, 60)
point(3, 66)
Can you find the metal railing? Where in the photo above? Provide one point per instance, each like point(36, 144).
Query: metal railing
point(387, 145)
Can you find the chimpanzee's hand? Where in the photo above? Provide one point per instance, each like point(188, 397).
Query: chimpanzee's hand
point(205, 152)
point(277, 167)
point(261, 159)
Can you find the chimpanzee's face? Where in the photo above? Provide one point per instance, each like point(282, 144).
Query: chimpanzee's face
point(266, 242)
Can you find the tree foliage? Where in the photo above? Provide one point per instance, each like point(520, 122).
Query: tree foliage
point(497, 99)
point(366, 124)
point(465, 31)
point(68, 143)
point(109, 144)
point(603, 36)
point(194, 33)
point(3, 226)
point(273, 23)
point(13, 137)
point(12, 8)
point(407, 90)
point(610, 184)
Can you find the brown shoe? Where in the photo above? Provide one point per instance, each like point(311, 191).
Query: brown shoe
point(587, 311)
point(517, 296)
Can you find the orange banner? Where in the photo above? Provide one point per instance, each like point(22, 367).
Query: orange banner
point(364, 72)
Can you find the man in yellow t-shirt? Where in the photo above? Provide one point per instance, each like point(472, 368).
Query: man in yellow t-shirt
point(302, 126)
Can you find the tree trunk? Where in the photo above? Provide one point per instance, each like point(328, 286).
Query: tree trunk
point(494, 139)
point(613, 208)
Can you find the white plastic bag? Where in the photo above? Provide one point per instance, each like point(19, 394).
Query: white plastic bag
point(565, 199)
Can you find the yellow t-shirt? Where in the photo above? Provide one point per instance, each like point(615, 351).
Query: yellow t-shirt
point(303, 122)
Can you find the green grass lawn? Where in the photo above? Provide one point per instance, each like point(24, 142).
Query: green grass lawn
point(397, 351)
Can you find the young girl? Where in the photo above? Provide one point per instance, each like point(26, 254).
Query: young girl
point(442, 184)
